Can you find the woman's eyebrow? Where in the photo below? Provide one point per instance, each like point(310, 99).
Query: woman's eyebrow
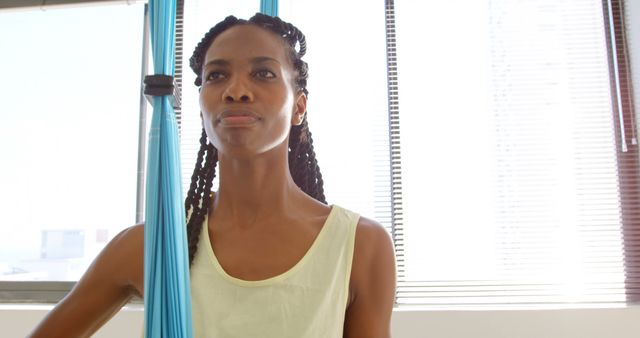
point(217, 62)
point(255, 60)
point(261, 59)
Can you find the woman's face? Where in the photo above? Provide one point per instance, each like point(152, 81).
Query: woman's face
point(247, 97)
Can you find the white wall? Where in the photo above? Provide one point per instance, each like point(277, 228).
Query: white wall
point(17, 321)
point(581, 323)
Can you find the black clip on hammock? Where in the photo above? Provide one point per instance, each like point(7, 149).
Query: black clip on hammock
point(161, 85)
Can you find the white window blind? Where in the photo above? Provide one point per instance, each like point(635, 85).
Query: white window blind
point(514, 186)
point(347, 107)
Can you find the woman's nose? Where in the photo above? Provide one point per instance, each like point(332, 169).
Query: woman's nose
point(237, 91)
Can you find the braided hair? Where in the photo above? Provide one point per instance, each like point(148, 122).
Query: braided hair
point(302, 158)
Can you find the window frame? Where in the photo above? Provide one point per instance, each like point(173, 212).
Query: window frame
point(44, 4)
point(628, 162)
point(628, 172)
point(51, 292)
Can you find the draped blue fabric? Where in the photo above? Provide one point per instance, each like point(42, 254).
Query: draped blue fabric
point(167, 291)
point(269, 7)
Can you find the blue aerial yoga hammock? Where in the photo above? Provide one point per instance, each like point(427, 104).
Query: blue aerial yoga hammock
point(167, 298)
point(269, 7)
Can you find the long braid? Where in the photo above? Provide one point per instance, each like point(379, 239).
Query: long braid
point(315, 182)
point(199, 195)
point(193, 199)
point(302, 158)
point(303, 164)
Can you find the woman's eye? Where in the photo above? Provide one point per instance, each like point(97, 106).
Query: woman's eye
point(213, 76)
point(264, 73)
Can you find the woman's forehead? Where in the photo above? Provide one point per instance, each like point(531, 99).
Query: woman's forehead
point(246, 42)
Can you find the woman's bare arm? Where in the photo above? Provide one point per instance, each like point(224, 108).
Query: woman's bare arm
point(114, 277)
point(373, 283)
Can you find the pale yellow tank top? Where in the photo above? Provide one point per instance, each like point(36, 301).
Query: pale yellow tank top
point(307, 301)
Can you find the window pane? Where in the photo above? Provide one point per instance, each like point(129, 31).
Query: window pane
point(68, 136)
point(509, 156)
point(347, 108)
point(447, 139)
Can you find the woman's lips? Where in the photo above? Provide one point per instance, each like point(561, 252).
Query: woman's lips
point(238, 118)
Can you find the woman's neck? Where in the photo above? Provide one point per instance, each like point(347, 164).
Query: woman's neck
point(256, 188)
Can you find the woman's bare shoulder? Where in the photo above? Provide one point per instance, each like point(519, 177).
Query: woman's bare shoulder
point(372, 234)
point(136, 231)
point(373, 246)
point(127, 250)
point(373, 282)
point(131, 238)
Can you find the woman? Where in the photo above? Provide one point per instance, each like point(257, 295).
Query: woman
point(268, 257)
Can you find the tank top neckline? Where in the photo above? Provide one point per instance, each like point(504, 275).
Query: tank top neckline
point(271, 280)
